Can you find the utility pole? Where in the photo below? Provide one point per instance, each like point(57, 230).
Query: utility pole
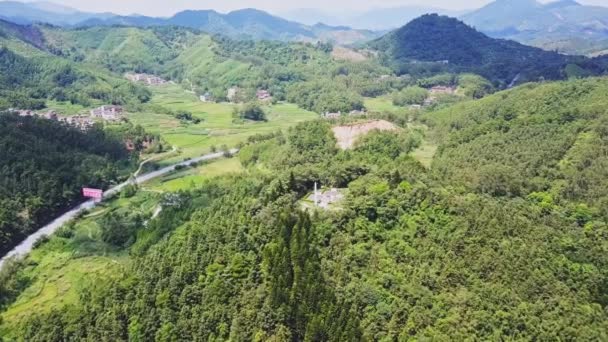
point(316, 196)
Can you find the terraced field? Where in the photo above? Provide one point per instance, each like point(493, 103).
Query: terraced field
point(216, 127)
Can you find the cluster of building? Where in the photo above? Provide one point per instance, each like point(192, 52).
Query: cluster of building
point(261, 95)
point(151, 80)
point(108, 112)
point(80, 121)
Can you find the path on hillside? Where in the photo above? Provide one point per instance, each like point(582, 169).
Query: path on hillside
point(27, 245)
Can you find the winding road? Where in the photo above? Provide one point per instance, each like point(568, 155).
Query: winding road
point(27, 245)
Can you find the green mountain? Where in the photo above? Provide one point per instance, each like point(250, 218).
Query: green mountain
point(448, 41)
point(34, 72)
point(566, 26)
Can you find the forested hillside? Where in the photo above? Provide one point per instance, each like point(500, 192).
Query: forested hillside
point(503, 237)
point(44, 166)
point(28, 82)
point(444, 40)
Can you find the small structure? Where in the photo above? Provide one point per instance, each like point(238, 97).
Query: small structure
point(108, 112)
point(415, 106)
point(232, 94)
point(51, 115)
point(328, 115)
point(323, 199)
point(206, 97)
point(96, 194)
point(263, 95)
point(24, 112)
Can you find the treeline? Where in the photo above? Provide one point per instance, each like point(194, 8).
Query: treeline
point(44, 164)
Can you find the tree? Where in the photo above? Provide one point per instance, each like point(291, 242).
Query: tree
point(410, 95)
point(251, 111)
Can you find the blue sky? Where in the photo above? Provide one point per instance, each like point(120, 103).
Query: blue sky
point(167, 8)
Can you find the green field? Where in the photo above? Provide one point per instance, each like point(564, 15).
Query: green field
point(216, 127)
point(191, 177)
point(383, 104)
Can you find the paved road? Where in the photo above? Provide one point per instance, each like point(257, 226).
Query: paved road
point(28, 244)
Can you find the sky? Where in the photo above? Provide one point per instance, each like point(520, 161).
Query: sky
point(170, 7)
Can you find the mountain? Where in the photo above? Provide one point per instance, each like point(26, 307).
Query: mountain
point(46, 12)
point(241, 24)
point(373, 19)
point(563, 25)
point(460, 48)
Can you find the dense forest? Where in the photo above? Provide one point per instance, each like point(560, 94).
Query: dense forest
point(503, 237)
point(27, 83)
point(434, 41)
point(44, 166)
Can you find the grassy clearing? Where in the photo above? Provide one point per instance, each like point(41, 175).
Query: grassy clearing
point(66, 108)
point(383, 104)
point(216, 128)
point(425, 153)
point(190, 178)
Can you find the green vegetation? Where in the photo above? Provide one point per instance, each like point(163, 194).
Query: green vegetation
point(501, 236)
point(435, 43)
point(44, 166)
point(410, 96)
point(217, 126)
point(27, 83)
point(483, 217)
point(250, 111)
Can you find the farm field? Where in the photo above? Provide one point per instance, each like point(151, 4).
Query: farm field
point(191, 177)
point(216, 127)
point(60, 268)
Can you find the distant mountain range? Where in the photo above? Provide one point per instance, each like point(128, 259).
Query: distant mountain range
point(47, 12)
point(564, 25)
point(241, 24)
point(448, 43)
point(375, 19)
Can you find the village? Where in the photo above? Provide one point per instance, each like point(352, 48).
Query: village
point(105, 113)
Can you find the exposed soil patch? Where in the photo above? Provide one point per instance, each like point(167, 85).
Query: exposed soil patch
point(347, 135)
point(344, 54)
